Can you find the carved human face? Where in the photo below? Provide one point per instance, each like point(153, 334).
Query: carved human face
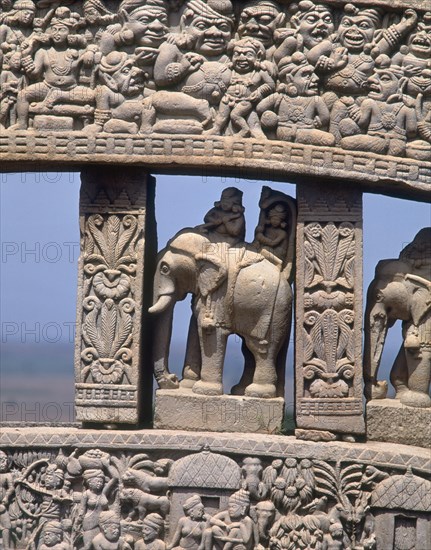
point(355, 31)
point(259, 22)
point(236, 510)
point(212, 35)
point(306, 81)
point(59, 34)
point(420, 43)
point(111, 531)
point(3, 462)
point(52, 481)
point(25, 17)
point(197, 512)
point(51, 538)
point(315, 26)
point(96, 484)
point(130, 79)
point(148, 533)
point(383, 84)
point(244, 59)
point(154, 27)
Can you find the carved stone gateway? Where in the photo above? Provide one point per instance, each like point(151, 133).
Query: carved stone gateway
point(331, 95)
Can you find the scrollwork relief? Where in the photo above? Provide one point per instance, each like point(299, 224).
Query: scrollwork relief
point(352, 77)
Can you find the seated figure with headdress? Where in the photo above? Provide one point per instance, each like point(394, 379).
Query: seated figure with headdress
point(385, 120)
point(296, 112)
point(56, 70)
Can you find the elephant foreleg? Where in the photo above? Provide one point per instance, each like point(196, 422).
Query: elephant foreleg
point(248, 372)
point(399, 373)
point(213, 349)
point(192, 362)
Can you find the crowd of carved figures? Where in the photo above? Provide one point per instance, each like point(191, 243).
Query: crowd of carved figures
point(92, 499)
point(356, 77)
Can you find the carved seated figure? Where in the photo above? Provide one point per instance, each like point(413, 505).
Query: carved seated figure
point(415, 60)
point(195, 64)
point(232, 528)
point(384, 121)
point(140, 31)
point(53, 537)
point(59, 92)
point(250, 82)
point(296, 112)
point(151, 534)
point(16, 26)
point(109, 537)
point(311, 33)
point(190, 528)
point(401, 289)
point(119, 97)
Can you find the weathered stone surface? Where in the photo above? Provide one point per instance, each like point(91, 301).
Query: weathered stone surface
point(185, 410)
point(312, 88)
point(329, 310)
point(113, 383)
point(390, 420)
point(315, 435)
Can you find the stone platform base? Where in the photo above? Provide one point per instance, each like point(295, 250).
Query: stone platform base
point(389, 420)
point(185, 410)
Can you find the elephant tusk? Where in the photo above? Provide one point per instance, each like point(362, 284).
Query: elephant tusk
point(162, 304)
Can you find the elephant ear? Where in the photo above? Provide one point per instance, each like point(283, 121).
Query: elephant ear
point(421, 298)
point(211, 274)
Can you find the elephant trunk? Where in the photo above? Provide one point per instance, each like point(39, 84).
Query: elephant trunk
point(376, 327)
point(164, 307)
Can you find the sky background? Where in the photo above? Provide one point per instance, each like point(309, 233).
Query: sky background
point(38, 275)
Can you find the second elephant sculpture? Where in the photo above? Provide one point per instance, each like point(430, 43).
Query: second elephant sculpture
point(402, 290)
point(237, 288)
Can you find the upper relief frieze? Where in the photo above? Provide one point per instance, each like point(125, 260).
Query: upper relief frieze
point(355, 77)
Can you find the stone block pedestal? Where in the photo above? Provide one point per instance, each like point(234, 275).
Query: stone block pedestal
point(185, 410)
point(389, 420)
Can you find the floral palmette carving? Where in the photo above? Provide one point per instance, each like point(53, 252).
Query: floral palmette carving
point(328, 338)
point(329, 255)
point(107, 331)
point(329, 353)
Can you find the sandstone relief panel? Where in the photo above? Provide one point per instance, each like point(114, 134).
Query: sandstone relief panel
point(94, 499)
point(114, 75)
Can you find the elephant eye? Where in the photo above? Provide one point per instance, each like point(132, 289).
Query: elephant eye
point(164, 268)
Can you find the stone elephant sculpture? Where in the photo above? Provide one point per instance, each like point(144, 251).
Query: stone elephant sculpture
point(237, 288)
point(401, 290)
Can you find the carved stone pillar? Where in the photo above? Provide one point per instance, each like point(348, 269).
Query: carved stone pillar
point(329, 310)
point(112, 381)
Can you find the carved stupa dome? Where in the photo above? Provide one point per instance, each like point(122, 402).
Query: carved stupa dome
point(205, 469)
point(405, 492)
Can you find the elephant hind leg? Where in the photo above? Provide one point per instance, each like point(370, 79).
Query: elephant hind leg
point(265, 376)
point(248, 372)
